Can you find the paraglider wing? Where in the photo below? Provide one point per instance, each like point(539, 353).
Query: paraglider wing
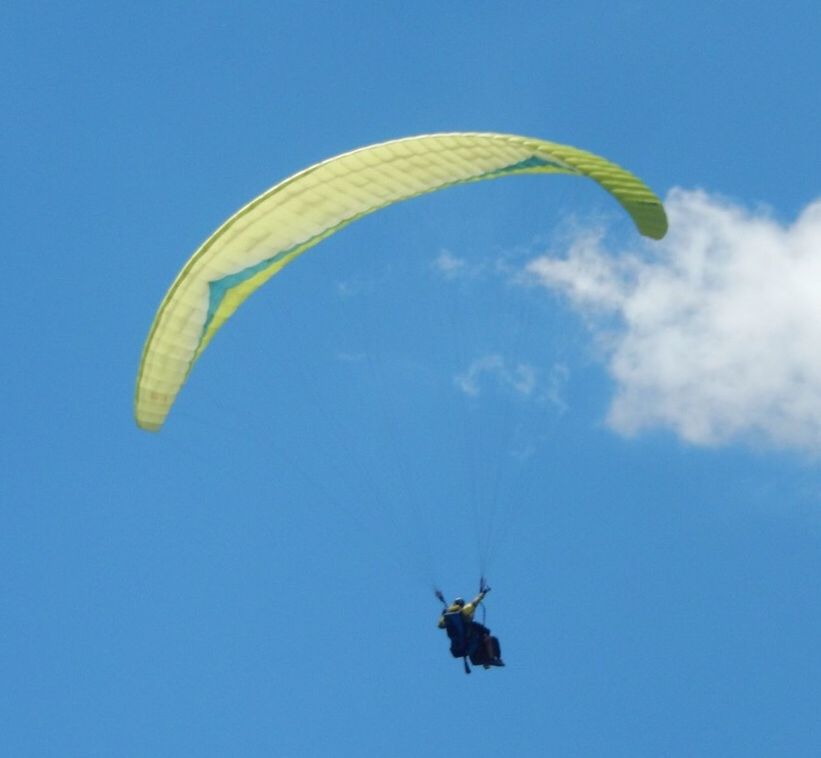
point(294, 215)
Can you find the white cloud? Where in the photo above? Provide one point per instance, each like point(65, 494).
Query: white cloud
point(715, 332)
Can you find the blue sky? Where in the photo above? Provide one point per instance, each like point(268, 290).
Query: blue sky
point(623, 434)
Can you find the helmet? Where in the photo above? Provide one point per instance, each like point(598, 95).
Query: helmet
point(459, 601)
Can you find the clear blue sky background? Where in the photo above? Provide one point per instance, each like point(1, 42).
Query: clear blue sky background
point(256, 579)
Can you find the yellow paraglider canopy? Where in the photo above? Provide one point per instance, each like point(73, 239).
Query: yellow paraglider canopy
point(296, 214)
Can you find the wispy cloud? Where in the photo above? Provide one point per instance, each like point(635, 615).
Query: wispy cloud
point(449, 265)
point(354, 287)
point(523, 379)
point(350, 357)
point(504, 265)
point(520, 377)
point(714, 333)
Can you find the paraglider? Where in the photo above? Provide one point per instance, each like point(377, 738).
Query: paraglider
point(282, 223)
point(269, 232)
point(468, 638)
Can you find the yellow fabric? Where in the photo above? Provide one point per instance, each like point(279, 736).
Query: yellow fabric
point(294, 215)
